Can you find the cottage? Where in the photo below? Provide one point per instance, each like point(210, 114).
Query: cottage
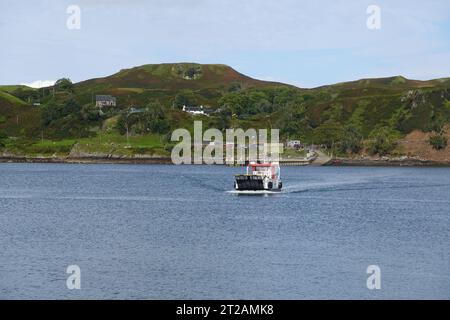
point(294, 144)
point(196, 110)
point(105, 101)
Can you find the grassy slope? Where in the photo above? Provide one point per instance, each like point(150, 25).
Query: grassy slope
point(376, 101)
point(11, 88)
point(17, 117)
point(11, 100)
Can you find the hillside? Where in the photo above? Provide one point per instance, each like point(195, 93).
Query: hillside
point(17, 117)
point(134, 86)
point(401, 103)
point(12, 88)
point(367, 116)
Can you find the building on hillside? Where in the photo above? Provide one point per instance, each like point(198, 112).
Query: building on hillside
point(105, 101)
point(137, 110)
point(196, 110)
point(294, 144)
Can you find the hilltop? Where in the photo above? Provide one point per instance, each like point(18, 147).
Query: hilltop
point(207, 82)
point(364, 117)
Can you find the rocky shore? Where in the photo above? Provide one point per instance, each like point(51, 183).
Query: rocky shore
point(388, 162)
point(104, 160)
point(111, 159)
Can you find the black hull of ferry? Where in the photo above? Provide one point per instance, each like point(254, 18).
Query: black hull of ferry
point(253, 183)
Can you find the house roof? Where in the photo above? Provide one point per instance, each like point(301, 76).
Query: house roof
point(187, 108)
point(104, 98)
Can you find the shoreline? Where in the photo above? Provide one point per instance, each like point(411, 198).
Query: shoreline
point(86, 160)
point(409, 162)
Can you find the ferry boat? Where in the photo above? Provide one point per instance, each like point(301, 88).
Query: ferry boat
point(259, 176)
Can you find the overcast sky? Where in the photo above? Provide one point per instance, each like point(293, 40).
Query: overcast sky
point(305, 43)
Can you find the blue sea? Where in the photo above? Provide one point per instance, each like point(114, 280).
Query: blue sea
point(180, 232)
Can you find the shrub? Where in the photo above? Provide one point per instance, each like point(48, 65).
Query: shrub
point(438, 141)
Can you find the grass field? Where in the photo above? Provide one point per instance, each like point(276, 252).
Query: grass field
point(114, 143)
point(102, 144)
point(12, 99)
point(13, 87)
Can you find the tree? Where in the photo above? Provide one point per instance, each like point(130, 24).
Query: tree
point(437, 124)
point(352, 139)
point(53, 111)
point(328, 133)
point(223, 120)
point(71, 107)
point(90, 113)
point(156, 119)
point(293, 121)
point(152, 120)
point(185, 98)
point(233, 101)
point(64, 84)
point(382, 140)
point(50, 112)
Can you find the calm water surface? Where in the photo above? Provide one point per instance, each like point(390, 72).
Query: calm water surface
point(157, 232)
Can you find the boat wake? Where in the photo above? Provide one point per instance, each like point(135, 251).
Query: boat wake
point(304, 187)
point(323, 186)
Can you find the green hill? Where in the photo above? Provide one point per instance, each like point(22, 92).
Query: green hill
point(135, 86)
point(401, 103)
point(11, 100)
point(10, 88)
point(17, 117)
point(342, 116)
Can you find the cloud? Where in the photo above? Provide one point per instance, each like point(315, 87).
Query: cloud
point(39, 83)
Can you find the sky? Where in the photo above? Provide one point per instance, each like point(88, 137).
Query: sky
point(304, 43)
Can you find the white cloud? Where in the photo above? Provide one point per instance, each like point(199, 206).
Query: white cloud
point(39, 83)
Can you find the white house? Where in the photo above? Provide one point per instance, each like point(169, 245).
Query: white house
point(294, 144)
point(195, 110)
point(105, 101)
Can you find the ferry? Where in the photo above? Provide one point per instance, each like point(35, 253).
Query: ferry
point(259, 177)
